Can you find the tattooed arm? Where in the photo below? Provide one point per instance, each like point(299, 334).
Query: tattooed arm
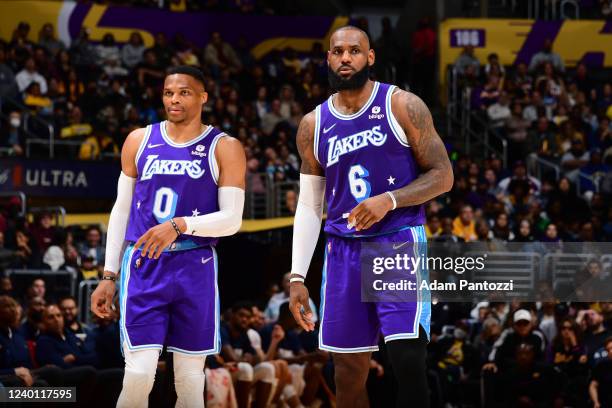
point(307, 222)
point(429, 152)
point(305, 145)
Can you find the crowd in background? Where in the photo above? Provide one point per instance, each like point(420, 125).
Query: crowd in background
point(525, 354)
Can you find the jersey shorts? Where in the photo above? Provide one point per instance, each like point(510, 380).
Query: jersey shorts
point(349, 325)
point(171, 301)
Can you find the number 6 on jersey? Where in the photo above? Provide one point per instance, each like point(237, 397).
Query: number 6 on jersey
point(360, 187)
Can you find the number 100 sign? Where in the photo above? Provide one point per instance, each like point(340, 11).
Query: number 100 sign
point(467, 36)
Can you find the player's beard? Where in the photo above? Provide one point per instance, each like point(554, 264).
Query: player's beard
point(355, 81)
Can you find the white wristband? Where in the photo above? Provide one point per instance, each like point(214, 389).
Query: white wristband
point(392, 199)
point(296, 279)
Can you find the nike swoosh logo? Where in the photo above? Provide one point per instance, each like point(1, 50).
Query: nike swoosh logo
point(204, 261)
point(400, 245)
point(325, 130)
point(151, 146)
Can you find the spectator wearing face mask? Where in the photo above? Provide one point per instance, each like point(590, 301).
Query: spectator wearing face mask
point(12, 136)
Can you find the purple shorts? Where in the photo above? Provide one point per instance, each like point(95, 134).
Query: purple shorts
point(349, 325)
point(171, 301)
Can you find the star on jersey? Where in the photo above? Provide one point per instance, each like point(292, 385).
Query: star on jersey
point(195, 213)
point(391, 180)
point(138, 205)
point(333, 191)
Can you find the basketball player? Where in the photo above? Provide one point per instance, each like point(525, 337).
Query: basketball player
point(181, 187)
point(372, 152)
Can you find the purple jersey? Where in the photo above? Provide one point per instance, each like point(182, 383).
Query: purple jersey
point(174, 180)
point(364, 154)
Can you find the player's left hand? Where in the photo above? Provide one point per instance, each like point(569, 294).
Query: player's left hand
point(158, 238)
point(370, 211)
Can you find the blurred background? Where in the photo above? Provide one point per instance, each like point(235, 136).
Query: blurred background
point(520, 92)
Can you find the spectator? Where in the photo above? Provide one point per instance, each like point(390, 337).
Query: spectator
point(546, 55)
point(567, 354)
point(43, 230)
point(595, 333)
point(499, 112)
point(108, 49)
point(281, 340)
point(30, 329)
point(47, 40)
point(28, 255)
point(272, 118)
point(220, 55)
point(58, 346)
point(236, 347)
point(486, 96)
point(16, 368)
point(76, 126)
point(13, 136)
point(149, 72)
point(522, 80)
point(503, 354)
point(93, 246)
point(493, 65)
point(71, 87)
point(600, 388)
point(70, 313)
point(132, 52)
point(465, 59)
point(574, 159)
point(28, 75)
point(8, 83)
point(275, 302)
point(99, 143)
point(464, 225)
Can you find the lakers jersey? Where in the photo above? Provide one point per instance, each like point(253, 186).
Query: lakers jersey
point(363, 155)
point(174, 180)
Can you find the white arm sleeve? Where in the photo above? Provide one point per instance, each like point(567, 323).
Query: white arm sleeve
point(307, 223)
point(117, 224)
point(226, 221)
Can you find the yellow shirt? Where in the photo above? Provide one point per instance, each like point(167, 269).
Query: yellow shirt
point(78, 129)
point(467, 232)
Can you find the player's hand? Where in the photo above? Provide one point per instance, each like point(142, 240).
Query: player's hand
point(299, 305)
point(370, 211)
point(102, 299)
point(158, 238)
point(24, 374)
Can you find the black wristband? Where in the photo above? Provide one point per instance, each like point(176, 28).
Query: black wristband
point(176, 228)
point(109, 277)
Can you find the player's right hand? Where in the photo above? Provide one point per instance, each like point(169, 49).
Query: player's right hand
point(299, 305)
point(102, 299)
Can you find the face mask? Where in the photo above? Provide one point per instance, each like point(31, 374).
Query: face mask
point(15, 122)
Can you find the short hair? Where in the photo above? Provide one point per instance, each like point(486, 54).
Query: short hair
point(242, 305)
point(352, 27)
point(68, 297)
point(188, 70)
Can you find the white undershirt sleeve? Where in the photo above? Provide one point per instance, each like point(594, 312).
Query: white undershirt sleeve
point(226, 221)
point(307, 223)
point(117, 224)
